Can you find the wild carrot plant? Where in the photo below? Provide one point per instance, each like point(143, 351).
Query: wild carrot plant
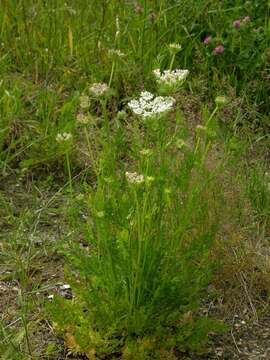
point(146, 190)
point(151, 231)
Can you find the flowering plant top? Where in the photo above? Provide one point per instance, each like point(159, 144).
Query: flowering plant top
point(150, 106)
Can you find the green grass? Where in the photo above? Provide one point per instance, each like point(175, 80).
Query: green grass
point(139, 257)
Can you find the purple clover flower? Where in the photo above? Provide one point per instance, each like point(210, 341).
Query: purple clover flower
point(207, 40)
point(219, 50)
point(237, 24)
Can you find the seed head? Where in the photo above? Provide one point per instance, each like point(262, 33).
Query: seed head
point(221, 100)
point(174, 47)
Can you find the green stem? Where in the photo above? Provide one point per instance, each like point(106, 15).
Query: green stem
point(146, 242)
point(69, 173)
point(135, 290)
point(206, 125)
point(211, 116)
point(112, 73)
point(205, 152)
point(172, 62)
point(106, 119)
point(91, 156)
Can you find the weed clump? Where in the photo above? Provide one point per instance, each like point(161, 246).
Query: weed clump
point(151, 233)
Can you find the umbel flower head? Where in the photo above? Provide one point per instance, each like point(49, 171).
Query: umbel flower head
point(84, 102)
point(170, 80)
point(99, 89)
point(149, 106)
point(134, 178)
point(83, 119)
point(63, 138)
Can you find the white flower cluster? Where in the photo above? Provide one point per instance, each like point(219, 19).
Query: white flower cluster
point(171, 77)
point(134, 178)
point(63, 138)
point(149, 106)
point(83, 119)
point(99, 89)
point(84, 102)
point(146, 152)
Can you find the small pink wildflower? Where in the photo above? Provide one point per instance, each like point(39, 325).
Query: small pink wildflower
point(246, 19)
point(207, 40)
point(237, 24)
point(219, 50)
